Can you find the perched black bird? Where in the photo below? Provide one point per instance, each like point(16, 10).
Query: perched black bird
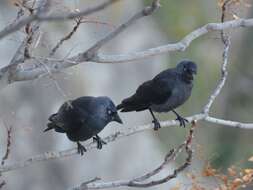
point(168, 90)
point(84, 118)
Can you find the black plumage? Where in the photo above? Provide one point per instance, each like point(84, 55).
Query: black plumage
point(165, 92)
point(84, 118)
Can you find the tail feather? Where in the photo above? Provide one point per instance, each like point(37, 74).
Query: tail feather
point(120, 106)
point(132, 103)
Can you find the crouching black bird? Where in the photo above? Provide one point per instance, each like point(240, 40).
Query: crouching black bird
point(84, 118)
point(165, 92)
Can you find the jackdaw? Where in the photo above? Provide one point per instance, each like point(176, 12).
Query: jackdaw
point(84, 118)
point(165, 92)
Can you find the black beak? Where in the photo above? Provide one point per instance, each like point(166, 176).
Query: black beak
point(117, 118)
point(194, 71)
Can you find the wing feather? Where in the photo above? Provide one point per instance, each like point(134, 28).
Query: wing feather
point(155, 91)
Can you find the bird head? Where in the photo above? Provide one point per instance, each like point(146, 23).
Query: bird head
point(187, 69)
point(109, 110)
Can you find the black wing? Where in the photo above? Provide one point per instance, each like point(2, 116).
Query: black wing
point(71, 115)
point(155, 91)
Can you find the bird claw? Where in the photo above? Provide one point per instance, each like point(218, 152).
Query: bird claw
point(156, 124)
point(80, 148)
point(182, 121)
point(99, 141)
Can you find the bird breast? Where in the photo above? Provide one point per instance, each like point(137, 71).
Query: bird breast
point(178, 96)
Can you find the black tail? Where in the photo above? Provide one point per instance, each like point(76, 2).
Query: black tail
point(120, 106)
point(133, 103)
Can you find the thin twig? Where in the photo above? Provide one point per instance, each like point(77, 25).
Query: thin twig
point(67, 37)
point(8, 146)
point(60, 90)
point(7, 153)
point(226, 41)
point(222, 81)
point(78, 21)
point(35, 70)
point(92, 51)
point(53, 17)
point(9, 73)
point(140, 181)
point(116, 136)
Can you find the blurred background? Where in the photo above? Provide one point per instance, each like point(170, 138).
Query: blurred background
point(26, 105)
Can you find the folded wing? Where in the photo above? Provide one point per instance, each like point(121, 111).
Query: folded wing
point(155, 91)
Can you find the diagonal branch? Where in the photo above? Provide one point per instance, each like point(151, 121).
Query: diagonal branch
point(224, 73)
point(140, 181)
point(179, 46)
point(133, 130)
point(8, 146)
point(9, 74)
point(35, 70)
point(32, 30)
point(223, 79)
point(66, 37)
point(91, 52)
point(53, 17)
point(117, 136)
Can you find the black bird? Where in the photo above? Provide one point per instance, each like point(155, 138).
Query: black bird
point(165, 92)
point(84, 118)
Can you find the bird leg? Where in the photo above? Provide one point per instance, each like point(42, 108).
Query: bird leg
point(80, 148)
point(180, 119)
point(155, 121)
point(99, 141)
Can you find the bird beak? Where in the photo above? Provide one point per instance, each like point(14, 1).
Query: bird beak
point(194, 71)
point(117, 118)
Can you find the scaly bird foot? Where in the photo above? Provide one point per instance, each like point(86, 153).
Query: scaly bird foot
point(156, 124)
point(182, 121)
point(99, 141)
point(80, 148)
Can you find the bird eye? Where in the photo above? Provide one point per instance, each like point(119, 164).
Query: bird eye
point(109, 112)
point(185, 69)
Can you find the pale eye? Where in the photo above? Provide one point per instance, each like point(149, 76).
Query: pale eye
point(185, 68)
point(109, 112)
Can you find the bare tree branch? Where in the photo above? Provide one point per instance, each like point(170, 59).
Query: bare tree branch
point(229, 123)
point(38, 66)
point(224, 74)
point(118, 135)
point(67, 37)
point(179, 46)
point(32, 30)
point(7, 153)
point(92, 51)
point(140, 181)
point(9, 74)
point(8, 146)
point(133, 130)
point(32, 70)
point(52, 17)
